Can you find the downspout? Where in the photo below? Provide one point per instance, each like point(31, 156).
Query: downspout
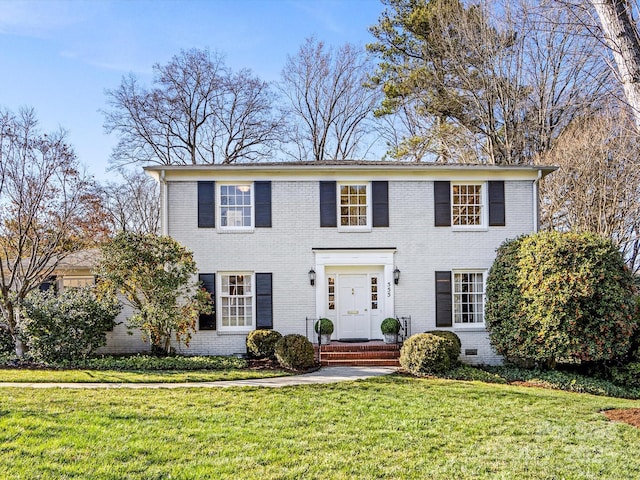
point(536, 206)
point(164, 203)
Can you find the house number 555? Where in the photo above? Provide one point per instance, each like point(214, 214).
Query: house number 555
point(388, 289)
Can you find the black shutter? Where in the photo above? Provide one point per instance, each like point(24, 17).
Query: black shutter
point(206, 204)
point(442, 203)
point(208, 280)
point(496, 204)
point(443, 299)
point(264, 301)
point(380, 200)
point(262, 196)
point(328, 213)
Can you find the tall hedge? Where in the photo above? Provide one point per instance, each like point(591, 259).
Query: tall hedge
point(560, 297)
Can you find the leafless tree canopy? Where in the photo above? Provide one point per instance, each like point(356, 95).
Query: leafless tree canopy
point(198, 112)
point(131, 205)
point(597, 188)
point(328, 106)
point(47, 210)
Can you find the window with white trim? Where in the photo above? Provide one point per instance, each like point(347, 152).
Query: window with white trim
point(468, 204)
point(236, 301)
point(468, 298)
point(353, 205)
point(374, 292)
point(331, 292)
point(78, 281)
point(235, 205)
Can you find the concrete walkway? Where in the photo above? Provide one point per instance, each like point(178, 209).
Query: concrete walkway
point(324, 375)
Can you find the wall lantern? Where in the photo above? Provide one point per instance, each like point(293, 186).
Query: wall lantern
point(312, 277)
point(396, 275)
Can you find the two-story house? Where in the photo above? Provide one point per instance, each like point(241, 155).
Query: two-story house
point(356, 242)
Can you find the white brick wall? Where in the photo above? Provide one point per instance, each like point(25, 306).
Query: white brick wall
point(286, 251)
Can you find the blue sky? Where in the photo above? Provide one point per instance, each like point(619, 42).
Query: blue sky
point(59, 56)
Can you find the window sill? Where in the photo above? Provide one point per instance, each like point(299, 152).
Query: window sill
point(234, 332)
point(479, 228)
point(235, 230)
point(470, 328)
point(354, 229)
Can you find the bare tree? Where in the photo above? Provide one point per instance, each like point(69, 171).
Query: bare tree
point(620, 33)
point(597, 187)
point(133, 204)
point(198, 112)
point(47, 211)
point(328, 105)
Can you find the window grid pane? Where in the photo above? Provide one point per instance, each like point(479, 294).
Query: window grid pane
point(331, 289)
point(374, 293)
point(467, 204)
point(468, 298)
point(236, 298)
point(353, 205)
point(235, 205)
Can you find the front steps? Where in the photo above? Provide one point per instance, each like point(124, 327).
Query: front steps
point(366, 354)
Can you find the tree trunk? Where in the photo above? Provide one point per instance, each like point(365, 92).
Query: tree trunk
point(621, 37)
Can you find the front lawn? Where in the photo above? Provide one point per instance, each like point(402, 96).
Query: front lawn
point(387, 427)
point(139, 369)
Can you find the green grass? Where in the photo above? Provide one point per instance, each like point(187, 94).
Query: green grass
point(387, 427)
point(117, 376)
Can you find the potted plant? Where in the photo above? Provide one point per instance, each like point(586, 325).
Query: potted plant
point(324, 327)
point(390, 327)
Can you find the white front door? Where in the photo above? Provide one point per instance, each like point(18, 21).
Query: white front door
point(353, 306)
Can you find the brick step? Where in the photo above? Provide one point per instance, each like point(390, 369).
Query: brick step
point(364, 355)
point(346, 347)
point(376, 362)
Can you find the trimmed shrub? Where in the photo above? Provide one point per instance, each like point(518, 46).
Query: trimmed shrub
point(295, 352)
point(425, 353)
point(68, 326)
point(390, 326)
point(454, 345)
point(262, 343)
point(324, 325)
point(560, 298)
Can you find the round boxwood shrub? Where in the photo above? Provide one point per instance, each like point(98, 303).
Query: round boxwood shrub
point(425, 353)
point(324, 325)
point(454, 345)
point(262, 343)
point(390, 326)
point(560, 297)
point(295, 352)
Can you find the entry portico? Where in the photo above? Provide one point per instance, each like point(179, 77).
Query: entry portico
point(355, 290)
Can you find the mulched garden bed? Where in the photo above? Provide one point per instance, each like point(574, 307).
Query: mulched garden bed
point(626, 415)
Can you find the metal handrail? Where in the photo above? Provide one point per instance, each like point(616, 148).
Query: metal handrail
point(405, 327)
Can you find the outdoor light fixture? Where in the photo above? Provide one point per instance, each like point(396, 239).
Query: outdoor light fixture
point(396, 275)
point(312, 277)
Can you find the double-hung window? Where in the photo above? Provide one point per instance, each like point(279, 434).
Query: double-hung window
point(236, 301)
point(468, 204)
point(468, 298)
point(354, 206)
point(236, 206)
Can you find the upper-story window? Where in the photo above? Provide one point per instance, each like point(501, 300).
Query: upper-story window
point(236, 206)
point(353, 206)
point(467, 204)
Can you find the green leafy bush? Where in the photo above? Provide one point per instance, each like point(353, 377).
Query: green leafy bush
point(295, 352)
point(262, 343)
point(6, 342)
point(143, 362)
point(425, 353)
point(560, 298)
point(454, 345)
point(324, 325)
point(390, 326)
point(68, 326)
point(627, 375)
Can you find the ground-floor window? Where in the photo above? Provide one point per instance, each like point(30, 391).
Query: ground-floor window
point(236, 300)
point(468, 297)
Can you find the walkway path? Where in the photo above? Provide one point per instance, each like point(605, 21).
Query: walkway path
point(324, 375)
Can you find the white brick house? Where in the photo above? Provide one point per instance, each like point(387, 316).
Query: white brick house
point(258, 231)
